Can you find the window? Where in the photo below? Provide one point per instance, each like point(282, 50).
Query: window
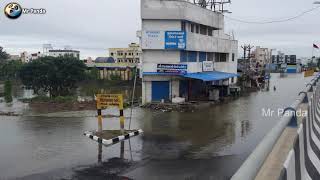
point(183, 56)
point(221, 57)
point(232, 80)
point(210, 29)
point(197, 29)
point(202, 56)
point(183, 25)
point(192, 27)
point(210, 56)
point(188, 56)
point(111, 54)
point(203, 29)
point(233, 56)
point(192, 56)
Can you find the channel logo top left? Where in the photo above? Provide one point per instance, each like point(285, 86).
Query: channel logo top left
point(13, 10)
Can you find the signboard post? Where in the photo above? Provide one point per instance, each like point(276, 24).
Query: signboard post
point(110, 100)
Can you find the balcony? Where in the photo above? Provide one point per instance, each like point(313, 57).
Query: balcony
point(180, 10)
point(199, 42)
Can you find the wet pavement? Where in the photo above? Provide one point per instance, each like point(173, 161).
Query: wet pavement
point(207, 144)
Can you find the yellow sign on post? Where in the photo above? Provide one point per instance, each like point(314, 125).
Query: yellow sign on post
point(308, 73)
point(110, 100)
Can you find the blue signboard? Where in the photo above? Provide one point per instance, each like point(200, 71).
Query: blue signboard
point(172, 68)
point(175, 40)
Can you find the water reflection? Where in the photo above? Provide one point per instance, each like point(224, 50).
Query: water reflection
point(210, 143)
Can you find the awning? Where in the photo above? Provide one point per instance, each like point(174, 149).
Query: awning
point(160, 73)
point(210, 76)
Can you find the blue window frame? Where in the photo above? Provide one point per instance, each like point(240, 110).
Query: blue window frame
point(202, 56)
point(192, 56)
point(183, 56)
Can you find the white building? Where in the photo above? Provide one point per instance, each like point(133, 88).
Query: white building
point(26, 57)
point(64, 52)
point(185, 52)
point(261, 56)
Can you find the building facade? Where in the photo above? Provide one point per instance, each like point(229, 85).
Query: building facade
point(110, 70)
point(64, 52)
point(262, 56)
point(126, 55)
point(185, 52)
point(26, 57)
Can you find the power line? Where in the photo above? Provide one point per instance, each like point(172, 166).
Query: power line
point(274, 21)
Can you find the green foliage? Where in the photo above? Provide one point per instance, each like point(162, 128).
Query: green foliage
point(56, 75)
point(8, 91)
point(3, 55)
point(93, 74)
point(10, 69)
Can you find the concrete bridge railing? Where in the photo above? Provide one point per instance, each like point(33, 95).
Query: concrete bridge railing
point(252, 165)
point(303, 161)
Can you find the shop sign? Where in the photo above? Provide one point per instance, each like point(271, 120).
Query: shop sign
point(175, 40)
point(207, 66)
point(172, 68)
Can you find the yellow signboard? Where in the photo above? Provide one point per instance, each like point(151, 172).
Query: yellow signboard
point(109, 100)
point(308, 73)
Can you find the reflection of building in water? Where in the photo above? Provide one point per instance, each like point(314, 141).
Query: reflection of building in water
point(245, 128)
point(187, 133)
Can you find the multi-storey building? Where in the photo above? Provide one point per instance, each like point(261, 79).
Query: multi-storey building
point(262, 56)
point(185, 52)
point(64, 52)
point(126, 55)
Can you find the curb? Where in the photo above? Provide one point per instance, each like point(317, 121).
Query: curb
point(108, 142)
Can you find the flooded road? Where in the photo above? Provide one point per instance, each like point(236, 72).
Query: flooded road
point(207, 144)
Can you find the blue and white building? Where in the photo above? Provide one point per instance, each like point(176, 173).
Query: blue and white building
point(185, 52)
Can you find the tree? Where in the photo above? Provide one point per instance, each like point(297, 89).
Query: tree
point(8, 91)
point(3, 55)
point(56, 75)
point(10, 69)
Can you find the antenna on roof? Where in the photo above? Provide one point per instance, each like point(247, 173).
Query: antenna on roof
point(215, 5)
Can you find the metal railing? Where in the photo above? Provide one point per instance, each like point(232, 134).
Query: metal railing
point(250, 168)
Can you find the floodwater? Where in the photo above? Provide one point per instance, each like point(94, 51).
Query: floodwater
point(207, 144)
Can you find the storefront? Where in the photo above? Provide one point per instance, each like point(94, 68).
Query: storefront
point(203, 86)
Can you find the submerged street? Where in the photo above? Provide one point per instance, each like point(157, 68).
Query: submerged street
point(210, 143)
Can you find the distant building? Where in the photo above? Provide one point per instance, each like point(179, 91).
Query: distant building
point(104, 60)
point(64, 52)
point(14, 57)
point(110, 70)
point(278, 59)
point(26, 57)
point(126, 55)
point(287, 63)
point(261, 55)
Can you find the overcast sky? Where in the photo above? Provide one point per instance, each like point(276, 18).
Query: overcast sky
point(94, 26)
